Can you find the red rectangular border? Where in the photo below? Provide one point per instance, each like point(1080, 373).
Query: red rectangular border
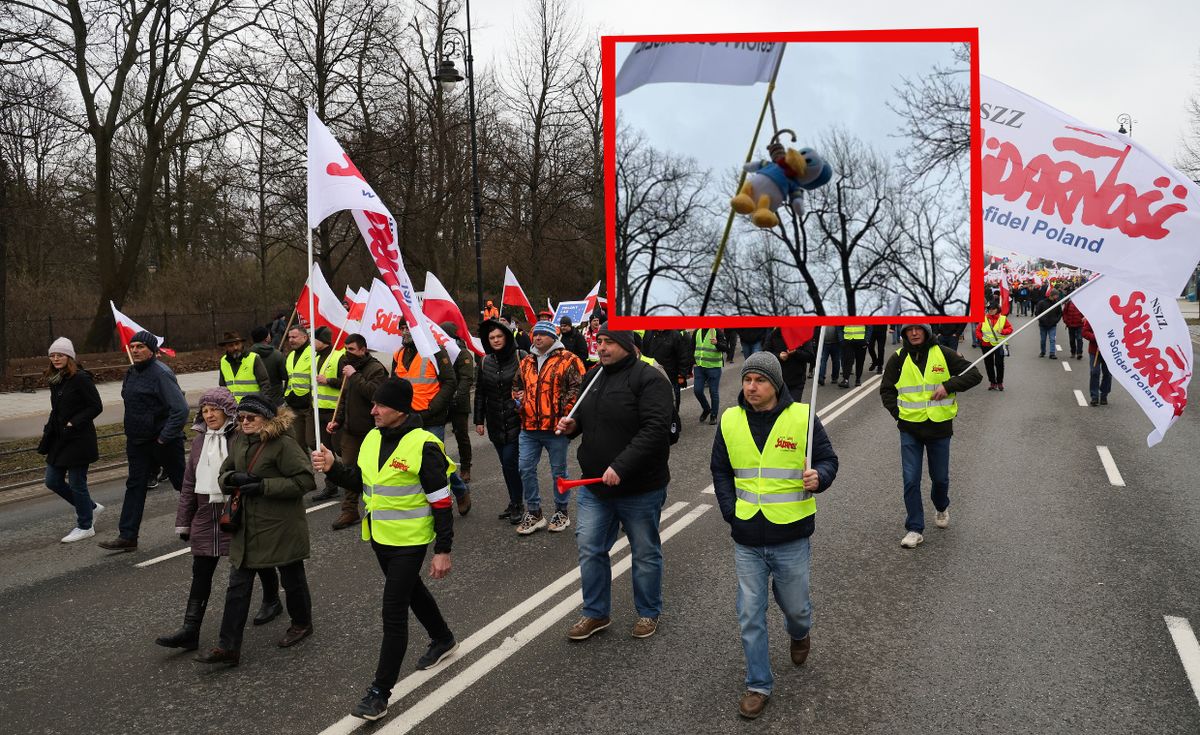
point(608, 83)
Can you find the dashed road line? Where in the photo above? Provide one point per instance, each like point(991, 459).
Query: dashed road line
point(1080, 399)
point(1066, 366)
point(1110, 467)
point(1189, 649)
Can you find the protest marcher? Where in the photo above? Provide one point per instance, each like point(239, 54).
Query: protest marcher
point(1051, 312)
point(270, 473)
point(329, 388)
point(589, 336)
point(69, 436)
point(625, 424)
point(925, 418)
point(241, 372)
point(794, 362)
point(950, 336)
point(671, 349)
point(854, 352)
point(297, 396)
point(1099, 378)
point(709, 348)
point(273, 360)
point(766, 496)
point(572, 339)
point(831, 353)
point(490, 311)
point(400, 455)
point(751, 339)
point(460, 407)
point(877, 347)
point(495, 411)
point(361, 375)
point(155, 411)
point(198, 517)
point(994, 328)
point(521, 336)
point(1072, 318)
point(278, 327)
point(546, 387)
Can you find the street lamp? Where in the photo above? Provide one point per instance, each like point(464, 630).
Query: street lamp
point(1126, 124)
point(447, 75)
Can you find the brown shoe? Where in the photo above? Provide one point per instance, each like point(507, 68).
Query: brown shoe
point(645, 627)
point(345, 520)
point(800, 649)
point(294, 635)
point(119, 544)
point(587, 627)
point(752, 704)
point(220, 656)
point(464, 503)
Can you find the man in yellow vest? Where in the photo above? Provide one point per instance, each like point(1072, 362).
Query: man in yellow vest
point(404, 474)
point(766, 496)
point(329, 388)
point(920, 382)
point(241, 372)
point(298, 394)
point(710, 348)
point(854, 352)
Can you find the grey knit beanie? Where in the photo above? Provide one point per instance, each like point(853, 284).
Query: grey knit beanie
point(767, 365)
point(62, 346)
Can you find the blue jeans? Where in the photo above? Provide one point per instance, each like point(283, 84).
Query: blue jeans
point(70, 484)
point(1100, 381)
point(595, 533)
point(712, 377)
point(530, 451)
point(509, 455)
point(938, 451)
point(831, 350)
point(786, 567)
point(457, 486)
point(749, 348)
point(1052, 333)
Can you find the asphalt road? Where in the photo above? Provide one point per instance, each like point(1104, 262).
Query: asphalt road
point(1040, 610)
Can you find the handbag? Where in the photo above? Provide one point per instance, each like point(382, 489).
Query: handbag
point(231, 514)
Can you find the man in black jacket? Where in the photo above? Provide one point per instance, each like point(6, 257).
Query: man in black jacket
point(625, 422)
point(925, 419)
point(764, 490)
point(670, 348)
point(572, 339)
point(1050, 311)
point(795, 362)
point(361, 375)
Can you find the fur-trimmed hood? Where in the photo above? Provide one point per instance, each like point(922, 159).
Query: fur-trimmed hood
point(279, 425)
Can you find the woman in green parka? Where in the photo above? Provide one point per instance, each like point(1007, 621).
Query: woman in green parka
point(271, 474)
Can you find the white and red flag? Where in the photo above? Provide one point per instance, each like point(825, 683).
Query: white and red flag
point(327, 307)
point(1145, 341)
point(127, 327)
point(723, 62)
point(1005, 296)
point(515, 295)
point(1057, 188)
point(592, 300)
point(440, 307)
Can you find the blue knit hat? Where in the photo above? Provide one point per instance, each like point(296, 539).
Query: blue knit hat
point(545, 327)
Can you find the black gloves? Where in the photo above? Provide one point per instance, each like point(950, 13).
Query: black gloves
point(185, 536)
point(251, 489)
point(238, 479)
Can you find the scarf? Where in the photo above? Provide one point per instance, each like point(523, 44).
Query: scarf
point(208, 467)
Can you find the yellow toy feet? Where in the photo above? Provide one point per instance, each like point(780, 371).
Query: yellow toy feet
point(764, 218)
point(743, 203)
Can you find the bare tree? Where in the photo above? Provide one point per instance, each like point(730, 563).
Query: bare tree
point(932, 260)
point(1188, 160)
point(935, 113)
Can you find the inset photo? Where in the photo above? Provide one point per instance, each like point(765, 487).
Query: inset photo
point(809, 176)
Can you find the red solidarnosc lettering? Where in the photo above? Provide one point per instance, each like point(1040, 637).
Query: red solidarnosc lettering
point(1061, 186)
point(1148, 359)
point(383, 252)
point(387, 322)
point(349, 169)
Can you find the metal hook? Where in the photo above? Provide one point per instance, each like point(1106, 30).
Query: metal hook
point(781, 131)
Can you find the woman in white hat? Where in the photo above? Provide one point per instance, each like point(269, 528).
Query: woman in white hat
point(69, 437)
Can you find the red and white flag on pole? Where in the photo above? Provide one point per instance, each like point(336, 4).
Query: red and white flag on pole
point(440, 307)
point(328, 307)
point(793, 337)
point(127, 327)
point(591, 300)
point(1005, 296)
point(515, 295)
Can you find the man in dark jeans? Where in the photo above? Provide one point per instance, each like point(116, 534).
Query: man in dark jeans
point(155, 411)
point(1050, 311)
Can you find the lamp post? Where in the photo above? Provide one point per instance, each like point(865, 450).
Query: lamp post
point(1126, 124)
point(448, 76)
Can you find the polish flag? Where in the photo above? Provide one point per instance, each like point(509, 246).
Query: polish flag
point(515, 295)
point(439, 306)
point(1004, 294)
point(127, 327)
point(355, 304)
point(591, 299)
point(793, 337)
point(329, 310)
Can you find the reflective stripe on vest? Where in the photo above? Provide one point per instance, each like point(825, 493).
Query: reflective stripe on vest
point(242, 383)
point(914, 390)
point(770, 482)
point(299, 368)
point(327, 395)
point(397, 510)
point(422, 374)
point(991, 334)
point(854, 333)
point(707, 354)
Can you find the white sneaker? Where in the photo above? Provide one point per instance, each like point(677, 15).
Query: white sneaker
point(78, 534)
point(530, 523)
point(97, 509)
point(559, 522)
point(911, 540)
point(942, 518)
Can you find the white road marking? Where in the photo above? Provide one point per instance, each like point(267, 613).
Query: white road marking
point(1066, 366)
point(708, 491)
point(853, 393)
point(164, 557)
point(483, 635)
point(1110, 467)
point(826, 420)
point(1189, 649)
point(1079, 398)
point(323, 505)
point(438, 698)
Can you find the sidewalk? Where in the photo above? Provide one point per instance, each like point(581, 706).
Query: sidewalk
point(23, 414)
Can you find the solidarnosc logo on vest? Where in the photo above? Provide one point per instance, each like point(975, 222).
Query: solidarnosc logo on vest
point(399, 465)
point(787, 443)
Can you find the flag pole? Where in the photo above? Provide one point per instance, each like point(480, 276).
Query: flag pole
point(312, 332)
point(712, 277)
point(1061, 302)
point(812, 402)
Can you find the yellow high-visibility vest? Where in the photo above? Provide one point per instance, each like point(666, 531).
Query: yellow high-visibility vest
point(242, 383)
point(991, 334)
point(770, 482)
point(854, 332)
point(299, 367)
point(327, 395)
point(707, 355)
point(398, 512)
point(914, 390)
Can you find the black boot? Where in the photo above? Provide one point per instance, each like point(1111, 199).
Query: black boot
point(188, 637)
point(269, 610)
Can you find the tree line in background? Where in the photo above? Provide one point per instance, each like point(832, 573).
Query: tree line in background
point(152, 152)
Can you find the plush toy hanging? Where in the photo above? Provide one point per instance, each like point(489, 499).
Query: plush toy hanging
point(785, 177)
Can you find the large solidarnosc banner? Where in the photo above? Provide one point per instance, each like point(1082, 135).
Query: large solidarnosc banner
point(1145, 342)
point(1057, 188)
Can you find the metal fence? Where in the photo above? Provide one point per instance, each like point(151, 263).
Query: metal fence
point(191, 331)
